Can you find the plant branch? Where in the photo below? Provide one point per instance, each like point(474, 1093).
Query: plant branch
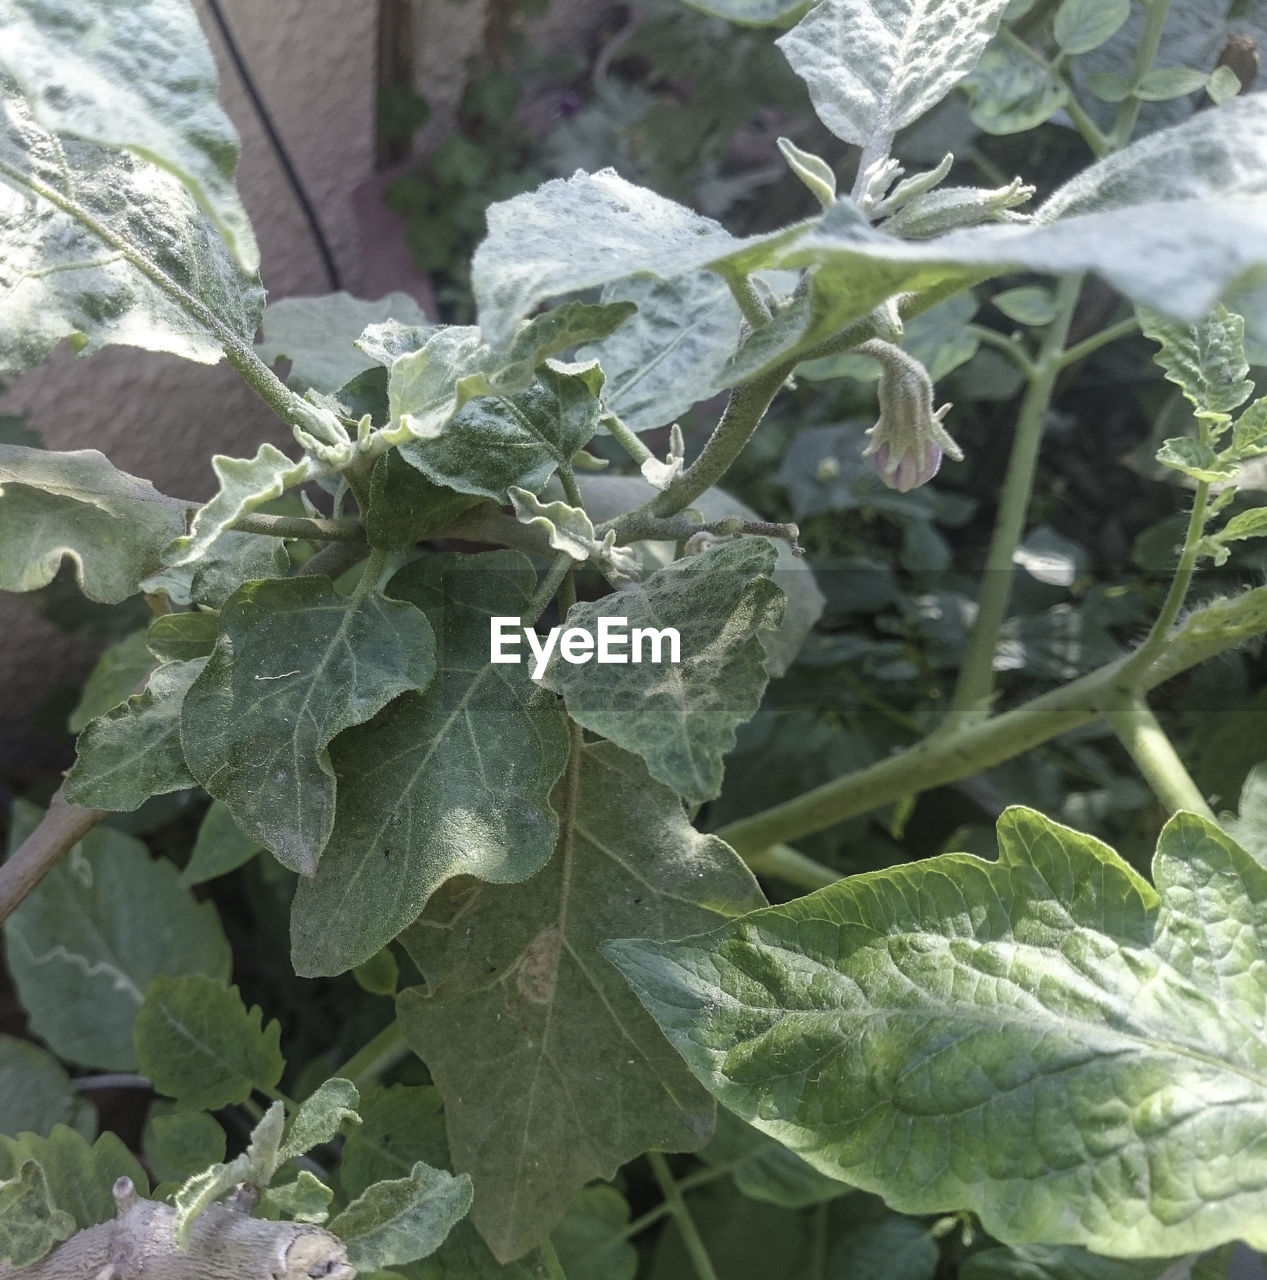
point(1009, 346)
point(961, 750)
point(975, 685)
point(374, 1059)
point(695, 1249)
point(62, 827)
point(785, 863)
point(547, 589)
point(1081, 350)
point(627, 439)
point(223, 1243)
point(310, 528)
point(1145, 56)
point(1150, 747)
point(751, 304)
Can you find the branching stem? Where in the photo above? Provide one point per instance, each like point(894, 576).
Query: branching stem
point(1150, 747)
point(695, 1249)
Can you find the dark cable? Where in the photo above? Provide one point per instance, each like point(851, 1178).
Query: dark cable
point(279, 147)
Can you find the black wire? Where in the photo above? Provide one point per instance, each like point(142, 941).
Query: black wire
point(279, 147)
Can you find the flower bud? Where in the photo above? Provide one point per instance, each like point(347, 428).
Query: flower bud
point(908, 440)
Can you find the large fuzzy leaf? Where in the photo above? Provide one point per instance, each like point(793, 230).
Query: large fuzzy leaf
point(76, 506)
point(295, 664)
point(873, 66)
point(138, 75)
point(672, 353)
point(589, 230)
point(1046, 1041)
point(495, 442)
point(453, 781)
point(82, 227)
point(680, 717)
point(86, 942)
point(133, 751)
point(551, 1072)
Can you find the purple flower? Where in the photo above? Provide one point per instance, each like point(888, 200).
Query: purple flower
point(908, 441)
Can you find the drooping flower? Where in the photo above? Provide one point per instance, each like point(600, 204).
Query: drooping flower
point(908, 440)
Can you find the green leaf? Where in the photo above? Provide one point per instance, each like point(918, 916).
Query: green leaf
point(1029, 305)
point(295, 664)
point(752, 13)
point(178, 1144)
point(1046, 1262)
point(551, 1073)
point(1250, 827)
point(307, 1199)
point(590, 230)
point(610, 496)
point(482, 746)
point(1249, 432)
point(76, 506)
point(321, 1117)
point(199, 1043)
point(133, 752)
point(403, 1219)
point(1194, 458)
point(567, 529)
point(141, 78)
point(403, 1124)
point(119, 670)
point(79, 1175)
point(1222, 85)
point(424, 387)
point(232, 559)
point(405, 506)
point(1163, 83)
point(1009, 93)
point(380, 974)
point(589, 1239)
point(245, 483)
point(874, 66)
point(680, 717)
point(220, 847)
point(317, 334)
point(181, 637)
point(887, 1248)
point(30, 1224)
point(1206, 361)
point(74, 249)
point(1245, 524)
point(1083, 25)
point(552, 332)
point(673, 353)
point(1215, 153)
point(767, 1170)
point(495, 442)
point(36, 1093)
point(85, 943)
point(1027, 1059)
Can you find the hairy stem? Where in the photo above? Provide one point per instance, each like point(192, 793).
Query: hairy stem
point(1145, 56)
point(374, 1059)
point(310, 528)
point(964, 749)
point(751, 304)
point(1155, 756)
point(695, 1249)
point(547, 589)
point(62, 827)
point(975, 686)
point(627, 439)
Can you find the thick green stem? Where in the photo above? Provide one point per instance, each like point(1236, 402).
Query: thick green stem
point(783, 862)
point(1155, 756)
point(312, 529)
point(627, 440)
point(964, 749)
point(751, 304)
point(975, 686)
point(1145, 56)
point(372, 1061)
point(546, 590)
point(695, 1249)
point(571, 491)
